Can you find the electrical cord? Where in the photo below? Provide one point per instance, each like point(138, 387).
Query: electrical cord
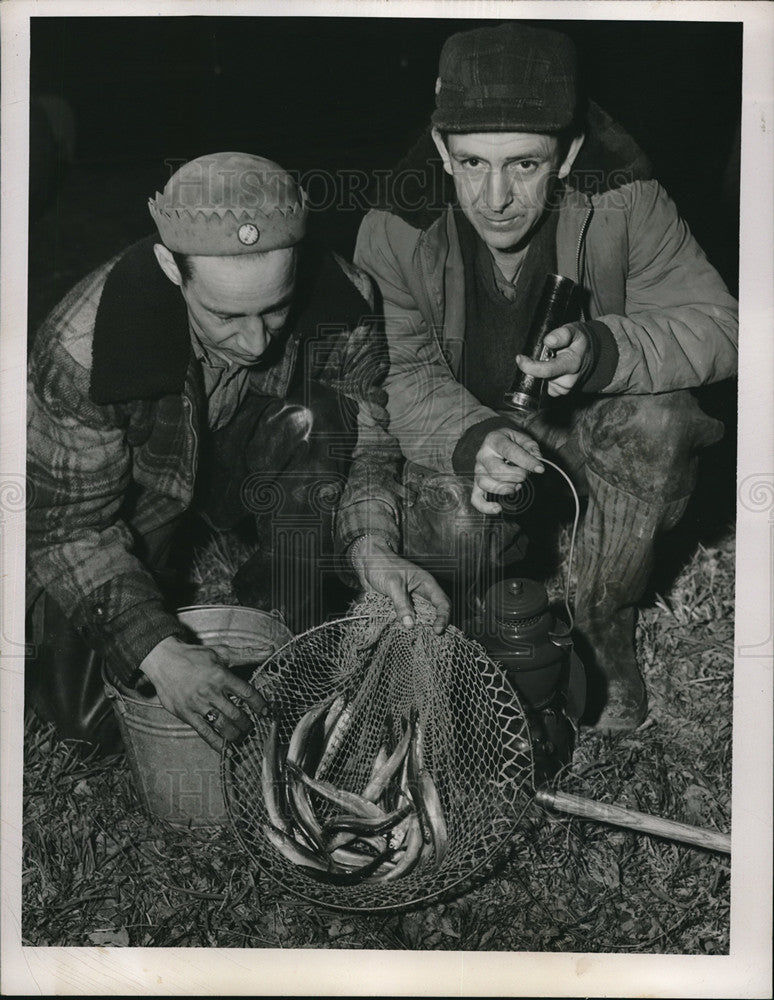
point(573, 536)
point(497, 498)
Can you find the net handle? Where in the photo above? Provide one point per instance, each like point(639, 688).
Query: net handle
point(604, 812)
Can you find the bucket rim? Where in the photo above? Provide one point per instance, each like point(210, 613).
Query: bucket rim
point(117, 689)
point(274, 614)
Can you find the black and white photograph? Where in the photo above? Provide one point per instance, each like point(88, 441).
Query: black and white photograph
point(386, 523)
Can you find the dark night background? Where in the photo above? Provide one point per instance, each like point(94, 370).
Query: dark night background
point(340, 94)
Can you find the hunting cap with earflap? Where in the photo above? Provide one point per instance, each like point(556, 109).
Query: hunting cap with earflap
point(224, 204)
point(506, 78)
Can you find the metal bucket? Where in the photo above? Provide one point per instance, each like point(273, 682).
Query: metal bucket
point(176, 774)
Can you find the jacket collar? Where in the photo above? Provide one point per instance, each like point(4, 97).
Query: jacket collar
point(443, 285)
point(141, 340)
point(142, 344)
point(438, 247)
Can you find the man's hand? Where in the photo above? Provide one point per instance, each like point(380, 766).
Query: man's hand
point(380, 569)
point(193, 680)
point(572, 355)
point(504, 460)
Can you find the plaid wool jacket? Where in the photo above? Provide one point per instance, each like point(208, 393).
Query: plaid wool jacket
point(115, 410)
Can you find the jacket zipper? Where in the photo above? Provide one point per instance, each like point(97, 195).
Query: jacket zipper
point(579, 248)
point(195, 455)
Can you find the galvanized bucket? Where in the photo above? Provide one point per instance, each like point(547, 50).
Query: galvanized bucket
point(177, 776)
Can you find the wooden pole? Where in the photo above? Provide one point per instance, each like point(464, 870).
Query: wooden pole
point(602, 812)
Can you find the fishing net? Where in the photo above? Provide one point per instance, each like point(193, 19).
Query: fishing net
point(475, 745)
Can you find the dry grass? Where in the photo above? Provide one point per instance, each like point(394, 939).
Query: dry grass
point(97, 870)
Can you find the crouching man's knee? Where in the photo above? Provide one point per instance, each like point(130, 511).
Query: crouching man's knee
point(442, 527)
point(647, 445)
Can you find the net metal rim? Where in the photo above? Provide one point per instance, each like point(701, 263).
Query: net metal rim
point(321, 896)
point(415, 902)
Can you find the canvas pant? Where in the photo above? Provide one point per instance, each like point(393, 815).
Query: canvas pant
point(633, 457)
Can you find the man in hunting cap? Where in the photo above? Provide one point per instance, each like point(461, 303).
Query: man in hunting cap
point(516, 179)
point(226, 366)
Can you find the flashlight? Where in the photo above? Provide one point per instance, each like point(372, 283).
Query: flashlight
point(526, 392)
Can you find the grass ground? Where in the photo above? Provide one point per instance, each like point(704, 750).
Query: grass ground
point(99, 871)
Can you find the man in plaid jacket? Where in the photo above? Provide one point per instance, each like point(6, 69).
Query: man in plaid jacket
point(231, 367)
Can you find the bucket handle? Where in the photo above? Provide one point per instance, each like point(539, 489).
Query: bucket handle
point(113, 694)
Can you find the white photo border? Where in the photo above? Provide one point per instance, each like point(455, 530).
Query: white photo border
point(746, 971)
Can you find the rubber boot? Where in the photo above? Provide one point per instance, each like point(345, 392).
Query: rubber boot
point(63, 683)
point(63, 674)
point(616, 554)
point(640, 467)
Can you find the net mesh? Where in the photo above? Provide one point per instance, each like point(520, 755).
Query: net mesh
point(476, 744)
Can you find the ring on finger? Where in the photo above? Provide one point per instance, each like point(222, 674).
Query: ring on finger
point(212, 716)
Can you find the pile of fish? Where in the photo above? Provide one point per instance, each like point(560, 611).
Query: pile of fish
point(388, 829)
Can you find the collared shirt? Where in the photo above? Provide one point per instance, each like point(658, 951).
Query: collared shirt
point(508, 288)
point(225, 384)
